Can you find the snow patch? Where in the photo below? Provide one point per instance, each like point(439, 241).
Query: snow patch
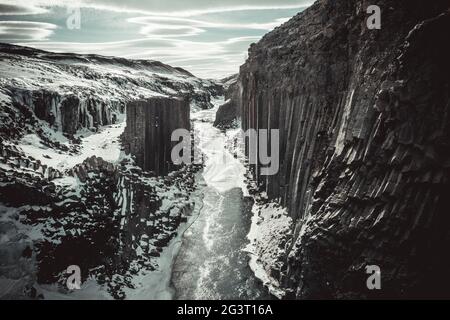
point(270, 228)
point(104, 144)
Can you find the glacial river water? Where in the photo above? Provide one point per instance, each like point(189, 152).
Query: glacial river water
point(211, 263)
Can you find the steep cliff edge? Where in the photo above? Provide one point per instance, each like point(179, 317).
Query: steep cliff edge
point(71, 92)
point(150, 124)
point(364, 147)
point(69, 195)
point(228, 113)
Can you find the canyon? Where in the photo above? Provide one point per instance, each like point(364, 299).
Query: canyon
point(87, 179)
point(227, 116)
point(77, 183)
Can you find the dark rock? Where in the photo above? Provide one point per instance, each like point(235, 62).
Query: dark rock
point(364, 140)
point(150, 124)
point(229, 112)
point(226, 115)
point(44, 102)
point(27, 252)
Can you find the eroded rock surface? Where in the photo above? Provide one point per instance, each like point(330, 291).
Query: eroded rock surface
point(364, 146)
point(228, 113)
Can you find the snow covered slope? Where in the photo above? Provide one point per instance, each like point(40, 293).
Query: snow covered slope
point(72, 91)
point(68, 193)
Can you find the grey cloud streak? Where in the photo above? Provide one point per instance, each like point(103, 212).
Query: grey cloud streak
point(25, 30)
point(207, 37)
point(7, 9)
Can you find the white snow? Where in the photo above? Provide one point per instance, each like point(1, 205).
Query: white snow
point(90, 290)
point(341, 137)
point(222, 171)
point(156, 285)
point(104, 80)
point(104, 83)
point(4, 97)
point(105, 144)
point(66, 181)
point(270, 224)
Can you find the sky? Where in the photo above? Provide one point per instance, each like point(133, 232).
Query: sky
point(209, 38)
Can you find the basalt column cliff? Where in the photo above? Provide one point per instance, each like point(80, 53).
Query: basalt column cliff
point(150, 124)
point(364, 119)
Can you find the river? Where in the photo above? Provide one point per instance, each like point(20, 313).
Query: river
point(211, 263)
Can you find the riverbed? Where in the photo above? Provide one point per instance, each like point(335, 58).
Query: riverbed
point(211, 262)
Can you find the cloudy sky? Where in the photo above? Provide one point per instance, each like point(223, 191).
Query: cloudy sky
point(207, 37)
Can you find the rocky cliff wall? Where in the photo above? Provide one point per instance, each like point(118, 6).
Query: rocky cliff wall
point(113, 221)
point(364, 146)
point(70, 91)
point(150, 124)
point(68, 112)
point(61, 205)
point(229, 112)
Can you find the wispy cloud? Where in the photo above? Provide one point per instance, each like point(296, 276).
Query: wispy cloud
point(25, 30)
point(9, 9)
point(207, 37)
point(198, 26)
point(172, 8)
point(185, 12)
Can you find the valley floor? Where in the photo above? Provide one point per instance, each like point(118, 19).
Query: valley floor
point(212, 262)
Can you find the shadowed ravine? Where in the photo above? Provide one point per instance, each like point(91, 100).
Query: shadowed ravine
point(211, 263)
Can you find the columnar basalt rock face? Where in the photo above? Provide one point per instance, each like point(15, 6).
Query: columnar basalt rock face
point(150, 124)
point(72, 92)
point(229, 112)
point(67, 113)
point(364, 151)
